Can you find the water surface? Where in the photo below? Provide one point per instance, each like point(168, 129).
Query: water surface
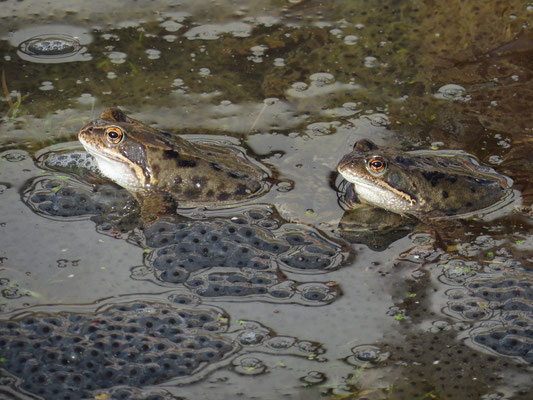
point(295, 83)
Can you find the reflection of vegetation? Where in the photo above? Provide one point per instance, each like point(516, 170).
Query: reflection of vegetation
point(14, 108)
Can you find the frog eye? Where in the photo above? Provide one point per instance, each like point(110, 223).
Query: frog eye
point(114, 135)
point(376, 165)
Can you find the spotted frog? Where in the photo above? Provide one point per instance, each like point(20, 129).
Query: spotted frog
point(423, 184)
point(150, 162)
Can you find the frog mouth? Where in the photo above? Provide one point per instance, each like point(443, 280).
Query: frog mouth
point(99, 154)
point(358, 181)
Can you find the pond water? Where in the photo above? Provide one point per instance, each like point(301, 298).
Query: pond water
point(281, 296)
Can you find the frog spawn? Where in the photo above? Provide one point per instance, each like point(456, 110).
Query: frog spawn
point(247, 250)
point(61, 197)
point(69, 356)
point(506, 302)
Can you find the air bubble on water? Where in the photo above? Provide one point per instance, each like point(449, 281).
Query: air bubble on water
point(46, 85)
point(204, 72)
point(370, 62)
point(86, 98)
point(279, 62)
point(337, 33)
point(299, 86)
point(350, 40)
point(322, 78)
point(117, 57)
point(451, 91)
point(171, 26)
point(153, 54)
point(178, 82)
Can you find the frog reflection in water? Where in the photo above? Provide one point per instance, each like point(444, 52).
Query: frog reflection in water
point(421, 184)
point(153, 164)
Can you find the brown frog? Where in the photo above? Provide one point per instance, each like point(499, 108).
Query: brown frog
point(424, 184)
point(151, 163)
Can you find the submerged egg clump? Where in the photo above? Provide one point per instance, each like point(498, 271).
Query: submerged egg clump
point(69, 355)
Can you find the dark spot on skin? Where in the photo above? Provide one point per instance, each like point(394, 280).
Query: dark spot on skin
point(395, 180)
point(406, 162)
point(241, 189)
point(191, 193)
point(445, 194)
point(452, 178)
point(215, 166)
point(210, 193)
point(469, 204)
point(433, 177)
point(236, 175)
point(484, 182)
point(156, 169)
point(223, 196)
point(186, 163)
point(165, 134)
point(473, 189)
point(170, 154)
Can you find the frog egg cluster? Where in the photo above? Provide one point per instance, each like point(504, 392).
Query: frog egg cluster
point(190, 246)
point(267, 284)
point(507, 303)
point(55, 197)
point(513, 298)
point(245, 248)
point(448, 357)
point(236, 242)
point(67, 356)
point(72, 161)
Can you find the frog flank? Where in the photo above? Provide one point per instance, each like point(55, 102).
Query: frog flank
point(420, 183)
point(146, 161)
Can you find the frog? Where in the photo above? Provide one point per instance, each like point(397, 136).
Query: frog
point(153, 164)
point(424, 184)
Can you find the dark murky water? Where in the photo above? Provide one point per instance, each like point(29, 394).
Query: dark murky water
point(268, 300)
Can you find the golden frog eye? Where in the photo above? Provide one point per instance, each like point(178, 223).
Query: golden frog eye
point(114, 135)
point(376, 165)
